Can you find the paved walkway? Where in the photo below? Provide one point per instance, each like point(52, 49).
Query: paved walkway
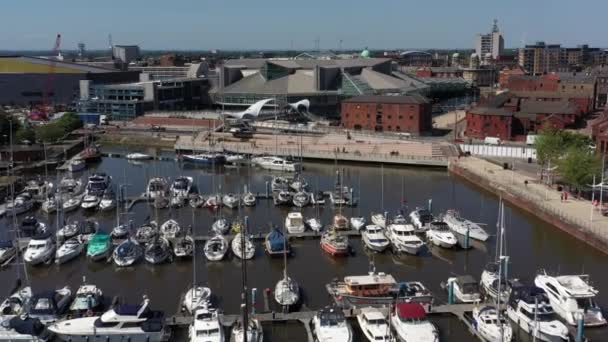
point(573, 211)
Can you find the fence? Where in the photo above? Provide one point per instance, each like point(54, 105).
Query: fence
point(521, 152)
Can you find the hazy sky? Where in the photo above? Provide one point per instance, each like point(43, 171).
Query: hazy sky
point(282, 24)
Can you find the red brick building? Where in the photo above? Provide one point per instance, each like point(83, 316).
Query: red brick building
point(505, 75)
point(411, 114)
point(439, 72)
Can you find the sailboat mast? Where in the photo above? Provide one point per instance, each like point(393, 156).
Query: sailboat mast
point(245, 303)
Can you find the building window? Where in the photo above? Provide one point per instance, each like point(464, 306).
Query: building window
point(389, 116)
point(411, 117)
point(400, 117)
point(398, 129)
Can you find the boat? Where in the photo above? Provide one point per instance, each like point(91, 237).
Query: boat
point(138, 156)
point(207, 326)
point(403, 238)
point(90, 202)
point(108, 200)
point(340, 222)
point(357, 222)
point(216, 248)
point(571, 294)
point(377, 290)
point(87, 230)
point(68, 250)
point(294, 223)
point(234, 158)
point(489, 282)
point(76, 164)
point(158, 251)
point(38, 189)
point(318, 198)
point(97, 184)
point(50, 306)
point(439, 234)
point(23, 328)
point(49, 206)
point(231, 200)
point(121, 230)
point(88, 301)
point(213, 202)
point(411, 324)
point(40, 249)
point(298, 183)
point(329, 324)
point(341, 195)
point(197, 201)
point(135, 323)
point(70, 185)
point(181, 187)
point(31, 226)
point(421, 218)
point(16, 303)
point(99, 247)
point(71, 203)
point(157, 187)
point(314, 224)
point(183, 247)
point(254, 331)
point(279, 183)
point(170, 229)
point(246, 252)
point(301, 199)
point(287, 292)
point(335, 244)
point(220, 226)
point(91, 153)
point(374, 238)
point(249, 199)
point(206, 159)
point(68, 231)
point(281, 197)
point(374, 325)
point(127, 253)
point(465, 289)
point(491, 325)
point(7, 251)
point(276, 243)
point(146, 232)
point(276, 164)
point(195, 297)
point(530, 309)
point(379, 219)
point(20, 205)
point(464, 227)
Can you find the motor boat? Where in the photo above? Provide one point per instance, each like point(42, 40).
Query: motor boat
point(421, 218)
point(301, 199)
point(108, 200)
point(68, 250)
point(243, 251)
point(329, 324)
point(491, 325)
point(88, 301)
point(231, 200)
point(571, 294)
point(357, 222)
point(183, 247)
point(138, 156)
point(440, 235)
point(213, 202)
point(298, 183)
point(220, 226)
point(23, 328)
point(490, 281)
point(195, 297)
point(31, 226)
point(127, 253)
point(71, 203)
point(99, 247)
point(465, 289)
point(377, 290)
point(314, 224)
point(38, 189)
point(255, 332)
point(529, 308)
point(279, 183)
point(287, 292)
point(282, 197)
point(157, 187)
point(234, 158)
point(216, 248)
point(335, 244)
point(276, 243)
point(49, 306)
point(69, 185)
point(197, 201)
point(181, 187)
point(374, 325)
point(97, 184)
point(340, 222)
point(16, 303)
point(411, 324)
point(249, 199)
point(207, 326)
point(170, 229)
point(21, 204)
point(176, 201)
point(462, 226)
point(7, 251)
point(68, 231)
point(91, 153)
point(121, 323)
point(276, 164)
point(49, 206)
point(87, 230)
point(403, 238)
point(374, 238)
point(379, 219)
point(122, 230)
point(76, 164)
point(206, 159)
point(342, 195)
point(146, 233)
point(318, 198)
point(90, 202)
point(158, 251)
point(40, 249)
point(294, 223)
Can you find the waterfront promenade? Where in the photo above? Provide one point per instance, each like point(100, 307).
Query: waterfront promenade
point(573, 216)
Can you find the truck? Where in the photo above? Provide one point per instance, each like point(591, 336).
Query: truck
point(492, 141)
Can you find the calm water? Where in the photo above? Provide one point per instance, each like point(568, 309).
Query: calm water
point(532, 244)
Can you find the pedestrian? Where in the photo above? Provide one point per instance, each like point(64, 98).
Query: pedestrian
point(526, 183)
point(565, 196)
point(561, 197)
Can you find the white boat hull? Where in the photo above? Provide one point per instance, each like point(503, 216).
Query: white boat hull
point(118, 337)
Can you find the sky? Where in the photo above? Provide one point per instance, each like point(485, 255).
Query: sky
point(286, 24)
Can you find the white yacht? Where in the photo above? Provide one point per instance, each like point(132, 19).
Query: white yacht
point(243, 252)
point(7, 251)
point(196, 297)
point(90, 201)
point(76, 164)
point(421, 218)
point(157, 187)
point(69, 250)
point(136, 323)
point(374, 238)
point(215, 248)
point(489, 282)
point(411, 324)
point(403, 238)
point(49, 206)
point(40, 249)
point(529, 308)
point(89, 299)
point(462, 226)
point(16, 304)
point(97, 184)
point(287, 292)
point(72, 203)
point(255, 333)
point(491, 325)
point(294, 223)
point(330, 325)
point(374, 325)
point(440, 235)
point(571, 294)
point(206, 326)
point(276, 164)
point(170, 229)
point(181, 187)
point(465, 289)
point(357, 222)
point(379, 219)
point(249, 199)
point(231, 200)
point(38, 188)
point(127, 253)
point(220, 226)
point(314, 224)
point(301, 199)
point(70, 185)
point(138, 156)
point(21, 204)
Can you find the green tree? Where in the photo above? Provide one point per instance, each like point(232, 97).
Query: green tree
point(69, 122)
point(50, 132)
point(552, 144)
point(25, 134)
point(578, 166)
point(5, 124)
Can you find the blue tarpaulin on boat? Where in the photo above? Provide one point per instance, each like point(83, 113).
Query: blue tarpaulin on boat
point(276, 240)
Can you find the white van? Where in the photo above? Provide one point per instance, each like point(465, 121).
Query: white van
point(492, 141)
point(530, 139)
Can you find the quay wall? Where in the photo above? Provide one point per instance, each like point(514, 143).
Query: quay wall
point(532, 206)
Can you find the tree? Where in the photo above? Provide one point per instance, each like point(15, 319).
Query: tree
point(69, 122)
point(50, 132)
point(552, 144)
point(25, 134)
point(5, 125)
point(578, 166)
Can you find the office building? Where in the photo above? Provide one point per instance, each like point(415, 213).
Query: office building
point(542, 58)
point(490, 44)
point(125, 53)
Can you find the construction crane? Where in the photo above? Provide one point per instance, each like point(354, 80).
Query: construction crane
point(46, 105)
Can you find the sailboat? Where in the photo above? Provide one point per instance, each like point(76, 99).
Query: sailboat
point(287, 290)
point(491, 276)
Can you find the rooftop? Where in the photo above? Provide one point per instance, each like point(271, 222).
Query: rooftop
point(39, 65)
point(490, 111)
point(548, 107)
point(409, 99)
point(258, 63)
point(371, 279)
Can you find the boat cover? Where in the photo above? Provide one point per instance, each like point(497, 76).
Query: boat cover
point(276, 240)
point(26, 326)
point(6, 243)
point(410, 311)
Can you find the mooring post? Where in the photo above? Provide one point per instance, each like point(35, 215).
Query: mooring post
point(467, 236)
point(267, 190)
point(450, 292)
point(253, 293)
point(581, 327)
